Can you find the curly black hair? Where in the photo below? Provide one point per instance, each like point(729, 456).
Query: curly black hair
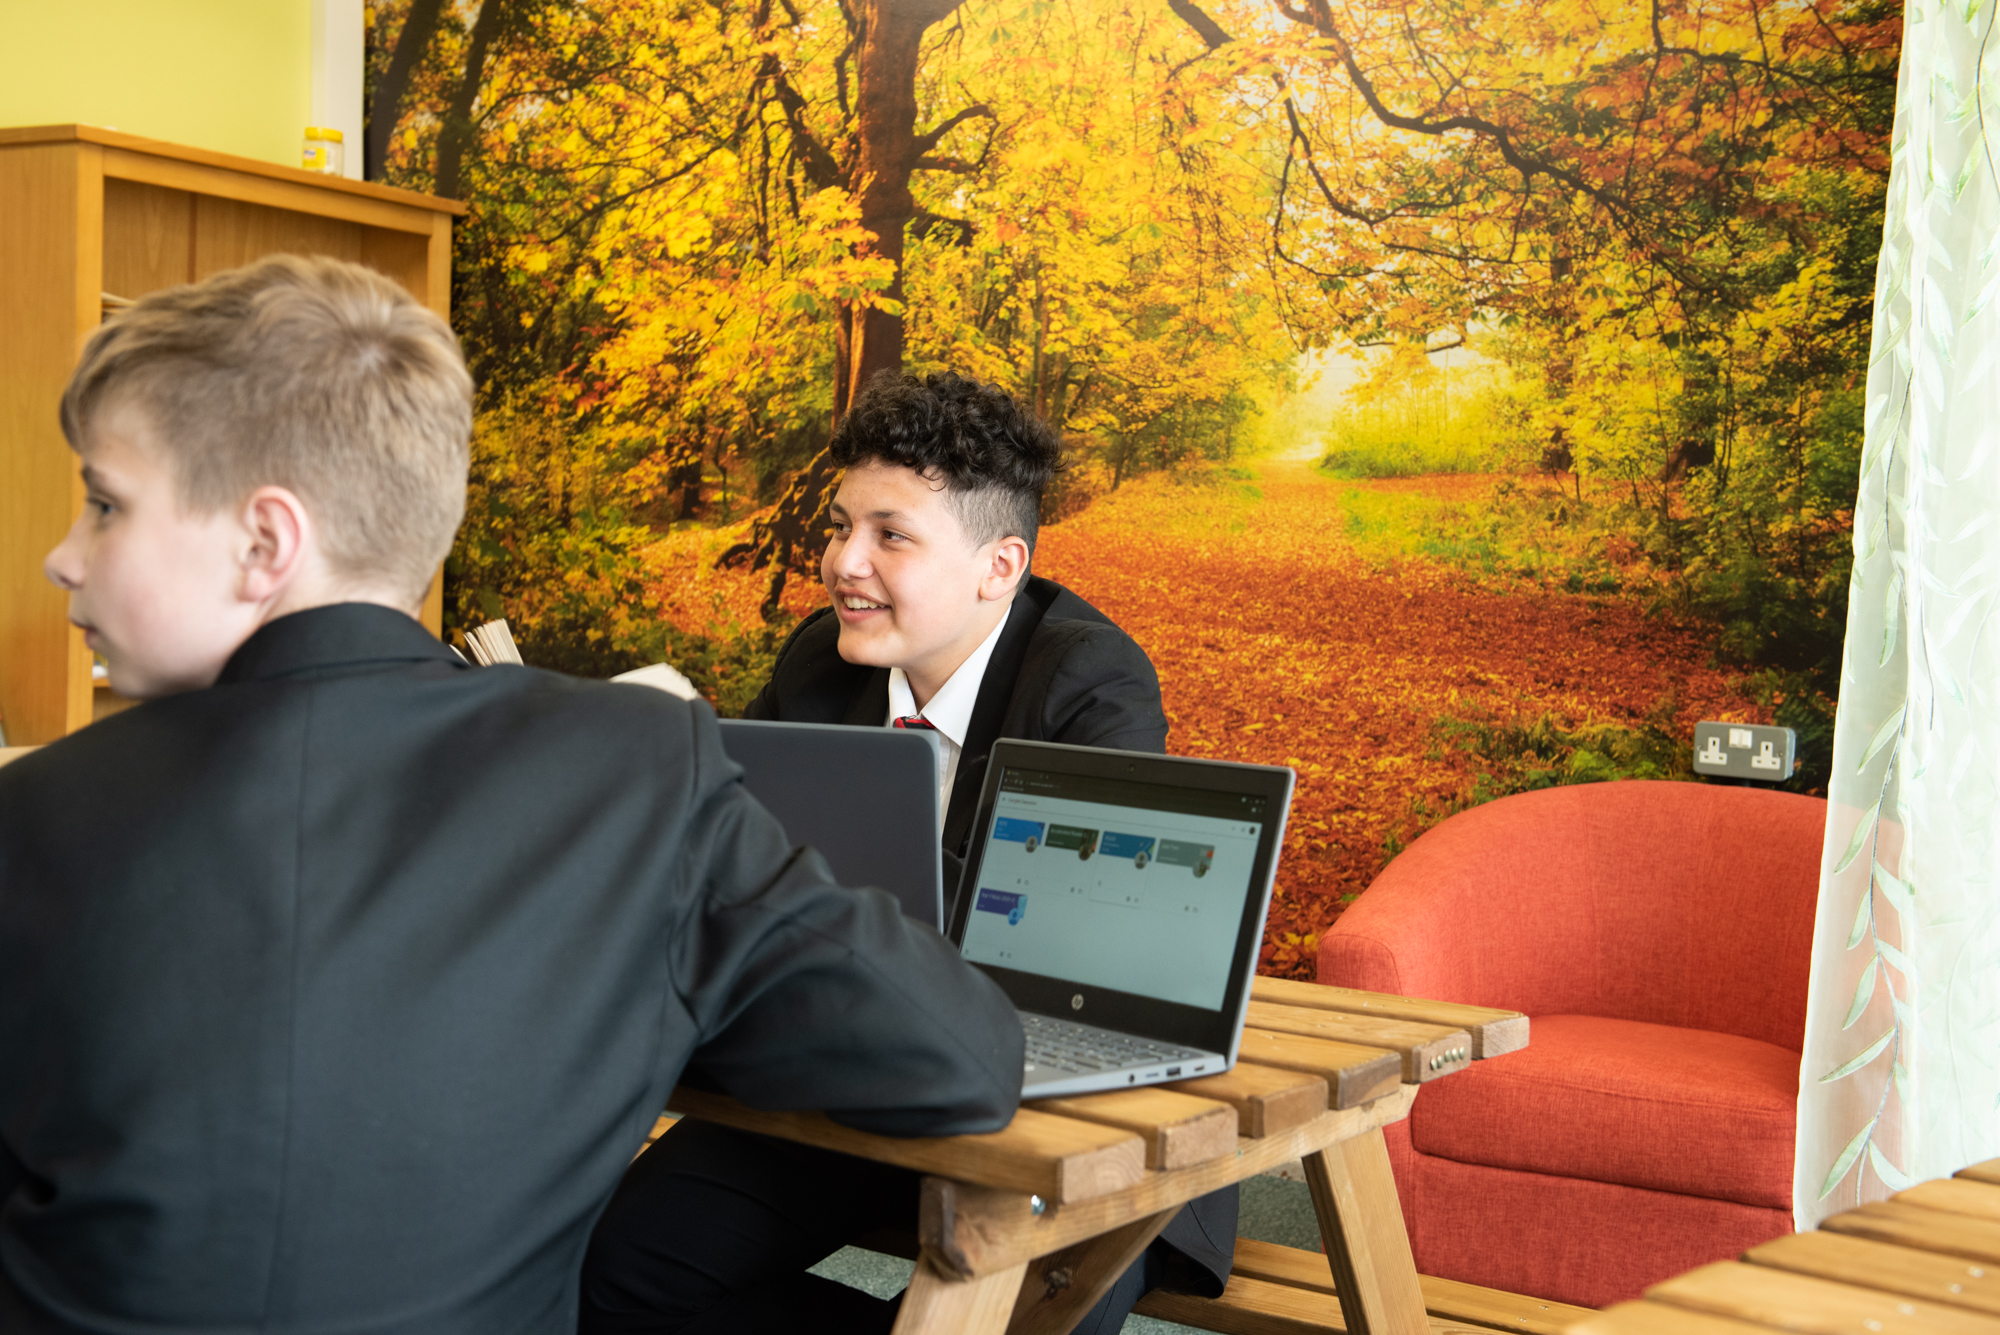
point(994, 458)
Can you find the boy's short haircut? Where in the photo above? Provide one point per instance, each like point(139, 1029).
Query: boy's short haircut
point(311, 374)
point(994, 459)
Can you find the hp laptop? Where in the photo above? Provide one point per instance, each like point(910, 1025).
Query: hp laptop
point(865, 798)
point(1118, 899)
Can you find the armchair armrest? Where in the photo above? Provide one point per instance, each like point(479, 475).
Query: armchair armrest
point(1460, 916)
point(1668, 903)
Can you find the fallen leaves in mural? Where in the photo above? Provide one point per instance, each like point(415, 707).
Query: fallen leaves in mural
point(1277, 641)
point(1280, 640)
point(700, 598)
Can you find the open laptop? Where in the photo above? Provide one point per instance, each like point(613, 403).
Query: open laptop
point(1118, 898)
point(865, 798)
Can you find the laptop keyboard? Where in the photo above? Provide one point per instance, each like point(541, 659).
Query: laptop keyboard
point(1080, 1049)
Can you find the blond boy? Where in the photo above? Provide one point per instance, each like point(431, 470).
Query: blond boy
point(339, 981)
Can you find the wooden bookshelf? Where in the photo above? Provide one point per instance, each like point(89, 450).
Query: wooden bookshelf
point(87, 214)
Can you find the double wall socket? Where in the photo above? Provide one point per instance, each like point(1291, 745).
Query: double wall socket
point(1744, 751)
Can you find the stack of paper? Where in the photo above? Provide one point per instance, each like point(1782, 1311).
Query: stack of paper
point(662, 677)
point(492, 643)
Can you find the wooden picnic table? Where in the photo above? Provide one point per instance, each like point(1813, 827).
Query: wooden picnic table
point(1024, 1229)
point(1926, 1259)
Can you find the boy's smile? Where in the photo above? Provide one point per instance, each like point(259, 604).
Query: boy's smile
point(910, 589)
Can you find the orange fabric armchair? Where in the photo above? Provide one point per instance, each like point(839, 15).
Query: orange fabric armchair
point(1659, 935)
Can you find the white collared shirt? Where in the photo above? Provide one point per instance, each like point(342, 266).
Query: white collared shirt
point(949, 711)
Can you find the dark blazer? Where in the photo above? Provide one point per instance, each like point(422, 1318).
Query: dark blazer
point(1061, 672)
point(339, 995)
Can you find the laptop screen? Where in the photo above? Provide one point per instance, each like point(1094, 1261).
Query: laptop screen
point(785, 767)
point(1132, 886)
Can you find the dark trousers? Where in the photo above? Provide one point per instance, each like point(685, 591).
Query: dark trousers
point(712, 1231)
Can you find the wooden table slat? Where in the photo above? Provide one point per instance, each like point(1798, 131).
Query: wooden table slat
point(1057, 1158)
point(1977, 1240)
point(661, 1125)
point(1355, 1075)
point(1881, 1265)
point(1955, 1195)
point(1791, 1301)
point(972, 1229)
point(1646, 1318)
point(1981, 1172)
point(1498, 1308)
point(1428, 1051)
point(1267, 1099)
point(1494, 1032)
point(1178, 1129)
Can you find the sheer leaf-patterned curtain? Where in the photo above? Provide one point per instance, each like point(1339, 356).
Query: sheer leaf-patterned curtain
point(1901, 1073)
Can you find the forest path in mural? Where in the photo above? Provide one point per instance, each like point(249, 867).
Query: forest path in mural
point(1283, 635)
point(1279, 640)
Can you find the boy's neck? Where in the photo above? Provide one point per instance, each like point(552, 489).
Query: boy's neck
point(928, 678)
point(304, 600)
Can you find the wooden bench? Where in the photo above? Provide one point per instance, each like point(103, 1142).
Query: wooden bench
point(1277, 1290)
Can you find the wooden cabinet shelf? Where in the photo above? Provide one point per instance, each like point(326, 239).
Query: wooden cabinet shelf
point(89, 217)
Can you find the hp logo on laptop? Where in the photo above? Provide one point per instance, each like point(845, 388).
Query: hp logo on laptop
point(1076, 1002)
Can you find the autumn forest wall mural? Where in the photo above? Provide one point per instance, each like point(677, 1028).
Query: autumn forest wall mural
point(1460, 397)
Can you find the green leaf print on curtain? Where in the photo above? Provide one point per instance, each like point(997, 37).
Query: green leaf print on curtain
point(1900, 1079)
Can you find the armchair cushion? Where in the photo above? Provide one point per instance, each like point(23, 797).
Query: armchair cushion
point(1589, 1243)
point(1619, 1101)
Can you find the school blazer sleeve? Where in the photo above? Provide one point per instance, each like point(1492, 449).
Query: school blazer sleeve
point(765, 704)
point(1101, 688)
point(806, 995)
point(10, 1171)
point(811, 683)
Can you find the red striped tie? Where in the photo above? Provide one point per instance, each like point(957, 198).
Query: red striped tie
point(915, 721)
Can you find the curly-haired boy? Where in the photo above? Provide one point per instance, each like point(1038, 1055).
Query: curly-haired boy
point(934, 620)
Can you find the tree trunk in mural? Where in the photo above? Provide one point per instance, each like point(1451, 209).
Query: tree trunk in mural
point(456, 134)
point(386, 109)
point(886, 151)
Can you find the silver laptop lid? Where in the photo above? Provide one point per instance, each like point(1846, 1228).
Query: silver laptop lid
point(865, 798)
point(1121, 889)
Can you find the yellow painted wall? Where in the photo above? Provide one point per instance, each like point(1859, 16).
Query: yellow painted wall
point(229, 75)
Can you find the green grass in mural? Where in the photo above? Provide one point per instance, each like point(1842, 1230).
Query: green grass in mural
point(1399, 524)
point(1193, 504)
point(1527, 754)
point(728, 672)
point(1516, 529)
point(1413, 415)
point(1530, 530)
point(1357, 457)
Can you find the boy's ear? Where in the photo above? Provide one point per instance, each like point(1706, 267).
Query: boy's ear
point(277, 534)
point(1006, 569)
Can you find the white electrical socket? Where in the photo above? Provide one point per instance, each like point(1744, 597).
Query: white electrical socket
point(1745, 751)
